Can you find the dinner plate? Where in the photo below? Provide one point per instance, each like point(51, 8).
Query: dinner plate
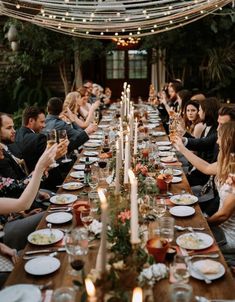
point(151, 126)
point(92, 144)
point(163, 143)
point(71, 186)
point(77, 174)
point(63, 199)
point(166, 153)
point(42, 265)
point(45, 236)
point(176, 179)
point(90, 153)
point(168, 159)
point(103, 126)
point(79, 167)
point(200, 263)
point(194, 241)
point(21, 293)
point(184, 199)
point(96, 136)
point(158, 133)
point(58, 218)
point(176, 172)
point(91, 159)
point(164, 148)
point(182, 211)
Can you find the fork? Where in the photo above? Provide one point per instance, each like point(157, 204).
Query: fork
point(53, 254)
point(189, 228)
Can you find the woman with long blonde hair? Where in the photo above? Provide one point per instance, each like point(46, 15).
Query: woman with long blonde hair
point(71, 107)
point(224, 218)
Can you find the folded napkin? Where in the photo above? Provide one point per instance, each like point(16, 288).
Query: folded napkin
point(95, 227)
point(153, 273)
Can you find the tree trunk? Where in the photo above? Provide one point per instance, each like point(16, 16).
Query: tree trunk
point(63, 75)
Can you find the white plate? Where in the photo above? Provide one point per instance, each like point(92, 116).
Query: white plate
point(176, 180)
point(198, 264)
point(103, 126)
point(21, 293)
point(168, 159)
point(184, 199)
point(107, 119)
point(91, 159)
point(194, 241)
point(63, 199)
point(166, 153)
point(61, 217)
point(71, 186)
point(77, 174)
point(96, 136)
point(182, 211)
point(90, 153)
point(151, 126)
point(163, 143)
point(164, 148)
point(176, 172)
point(92, 145)
point(45, 236)
point(158, 133)
point(79, 167)
point(42, 265)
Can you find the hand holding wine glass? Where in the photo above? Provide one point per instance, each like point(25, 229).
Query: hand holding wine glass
point(51, 140)
point(168, 176)
point(62, 134)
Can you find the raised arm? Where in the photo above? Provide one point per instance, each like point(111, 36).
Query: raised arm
point(8, 205)
point(200, 164)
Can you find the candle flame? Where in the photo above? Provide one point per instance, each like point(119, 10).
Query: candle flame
point(90, 287)
point(137, 295)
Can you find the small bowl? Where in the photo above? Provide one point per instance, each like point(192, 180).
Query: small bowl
point(170, 253)
point(159, 253)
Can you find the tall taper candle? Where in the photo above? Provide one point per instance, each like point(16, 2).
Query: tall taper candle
point(118, 166)
point(126, 160)
point(103, 243)
point(135, 137)
point(134, 208)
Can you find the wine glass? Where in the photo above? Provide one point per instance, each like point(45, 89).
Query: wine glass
point(76, 245)
point(62, 134)
point(96, 117)
point(93, 181)
point(180, 269)
point(166, 226)
point(168, 176)
point(51, 140)
point(103, 165)
point(87, 218)
point(159, 207)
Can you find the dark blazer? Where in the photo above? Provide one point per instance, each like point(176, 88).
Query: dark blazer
point(9, 167)
point(76, 135)
point(30, 145)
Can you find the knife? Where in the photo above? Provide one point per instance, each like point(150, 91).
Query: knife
point(60, 249)
point(199, 273)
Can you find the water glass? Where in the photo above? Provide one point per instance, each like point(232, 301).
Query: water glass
point(180, 292)
point(64, 294)
point(166, 226)
point(94, 201)
point(180, 269)
point(159, 207)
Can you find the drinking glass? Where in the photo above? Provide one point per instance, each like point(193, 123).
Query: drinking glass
point(159, 207)
point(51, 140)
point(94, 201)
point(87, 218)
point(62, 134)
point(76, 245)
point(180, 269)
point(93, 181)
point(168, 176)
point(103, 167)
point(166, 226)
point(64, 294)
point(180, 292)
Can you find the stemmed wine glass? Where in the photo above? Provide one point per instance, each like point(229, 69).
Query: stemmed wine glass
point(76, 245)
point(62, 134)
point(51, 140)
point(168, 176)
point(159, 207)
point(103, 165)
point(87, 218)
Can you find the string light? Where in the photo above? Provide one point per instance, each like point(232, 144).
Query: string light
point(91, 18)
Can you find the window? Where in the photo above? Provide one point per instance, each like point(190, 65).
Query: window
point(137, 64)
point(115, 65)
point(121, 64)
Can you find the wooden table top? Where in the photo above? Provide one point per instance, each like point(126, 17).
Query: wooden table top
point(222, 288)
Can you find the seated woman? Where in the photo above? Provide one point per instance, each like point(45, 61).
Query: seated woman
point(224, 218)
point(72, 104)
point(193, 124)
point(8, 205)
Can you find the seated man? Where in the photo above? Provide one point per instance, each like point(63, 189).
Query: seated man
point(76, 135)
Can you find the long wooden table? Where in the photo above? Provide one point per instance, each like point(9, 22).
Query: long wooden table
point(222, 288)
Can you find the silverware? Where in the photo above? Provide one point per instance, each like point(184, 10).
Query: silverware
point(59, 210)
point(189, 228)
point(192, 268)
point(213, 256)
point(203, 299)
point(60, 249)
point(39, 255)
